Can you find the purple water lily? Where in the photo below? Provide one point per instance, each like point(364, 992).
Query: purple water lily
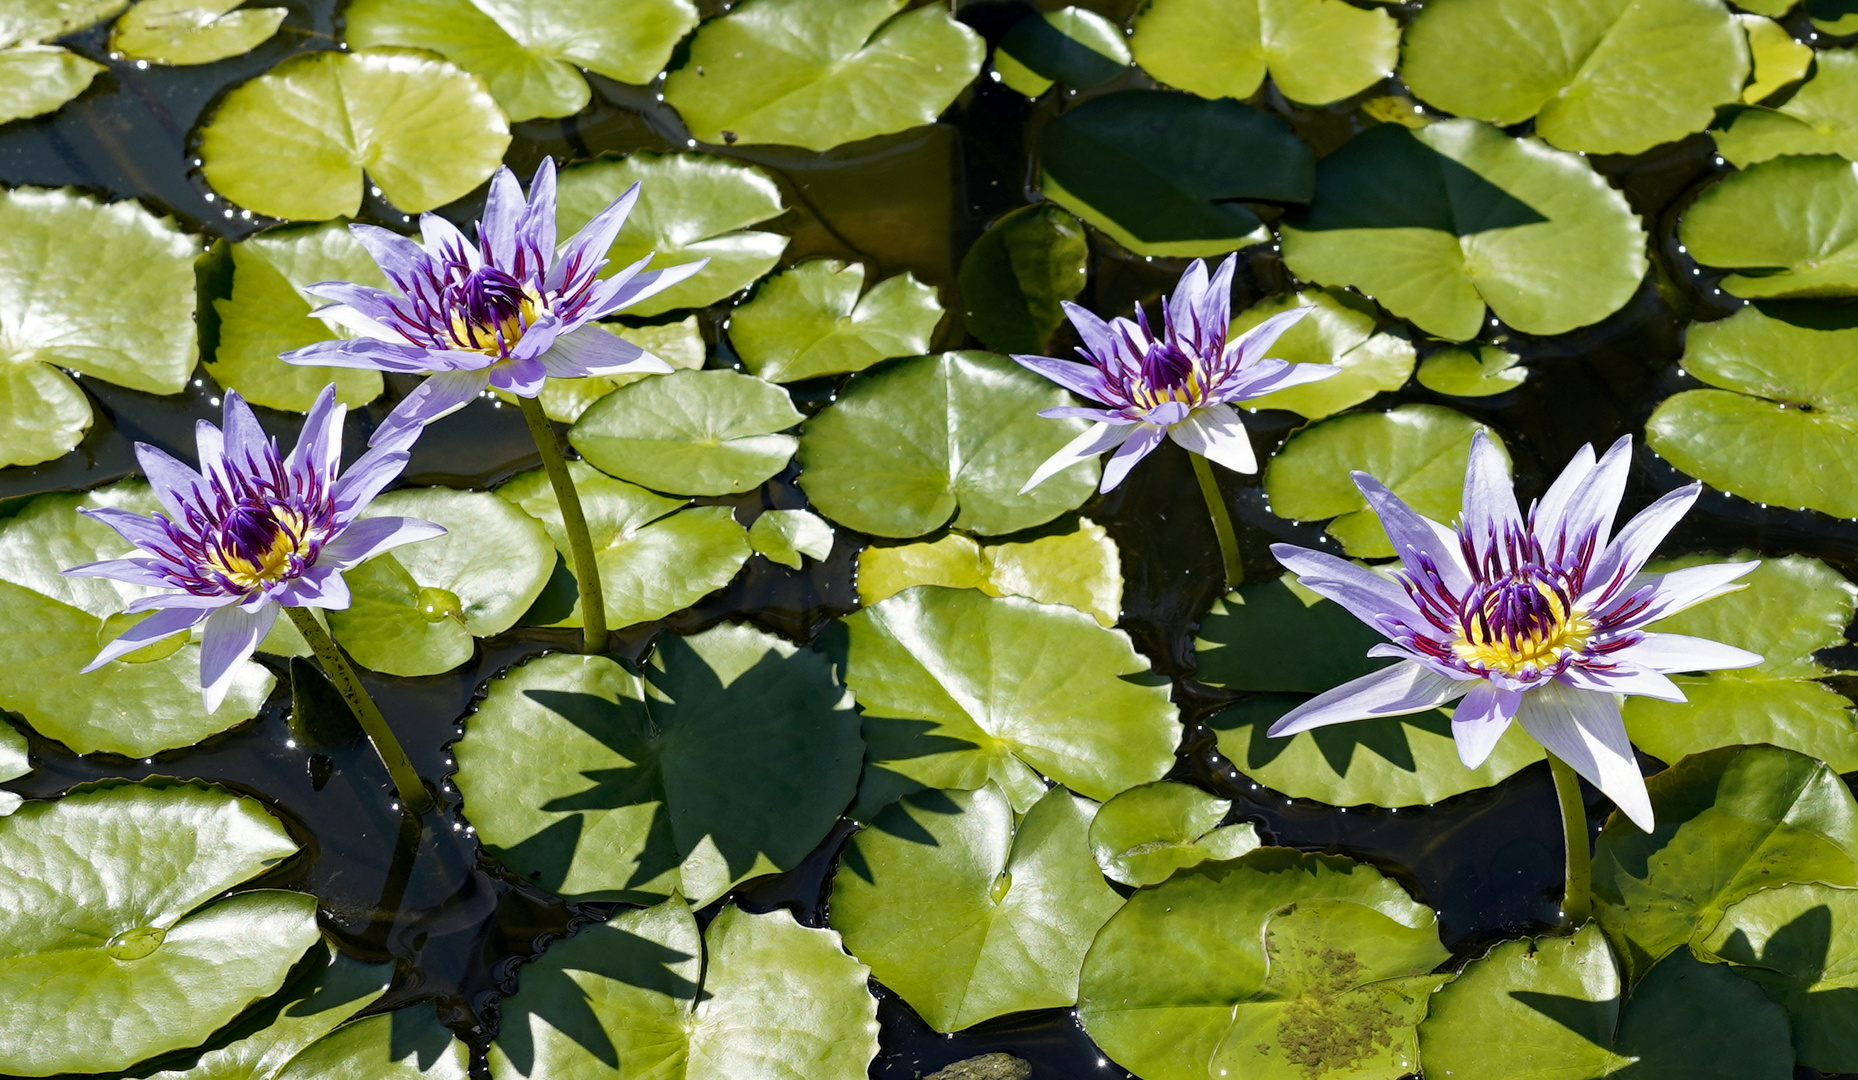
point(1538, 620)
point(251, 532)
point(508, 312)
point(1179, 383)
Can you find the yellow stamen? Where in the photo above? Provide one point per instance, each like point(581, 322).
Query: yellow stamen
point(1513, 650)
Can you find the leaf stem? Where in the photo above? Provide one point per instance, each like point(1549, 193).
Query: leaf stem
point(580, 544)
point(413, 794)
point(1577, 898)
point(1222, 521)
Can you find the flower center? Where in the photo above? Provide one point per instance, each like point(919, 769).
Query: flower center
point(1520, 624)
point(490, 310)
point(259, 544)
point(1167, 375)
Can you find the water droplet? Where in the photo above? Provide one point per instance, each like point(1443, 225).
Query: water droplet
point(136, 943)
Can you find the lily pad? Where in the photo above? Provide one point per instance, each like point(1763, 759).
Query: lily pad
point(690, 432)
point(816, 75)
point(1779, 60)
point(1832, 17)
point(809, 321)
point(789, 537)
point(1598, 78)
point(731, 757)
point(1182, 984)
point(15, 762)
point(967, 914)
point(1800, 943)
point(1793, 607)
point(1147, 833)
point(1317, 51)
point(1018, 274)
point(912, 445)
point(1557, 1004)
point(1730, 822)
point(192, 31)
point(1417, 450)
point(1789, 225)
point(36, 79)
point(691, 206)
point(104, 290)
point(1337, 331)
point(294, 142)
point(113, 947)
point(1786, 396)
point(1483, 371)
point(1072, 45)
point(43, 20)
point(1080, 569)
point(959, 688)
point(1438, 222)
point(1162, 173)
point(268, 313)
point(678, 344)
point(52, 626)
point(641, 995)
point(409, 1044)
point(528, 51)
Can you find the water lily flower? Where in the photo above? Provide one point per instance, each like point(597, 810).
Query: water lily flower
point(1540, 619)
point(250, 533)
point(508, 311)
point(1180, 383)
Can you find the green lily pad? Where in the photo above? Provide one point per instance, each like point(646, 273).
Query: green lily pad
point(1789, 225)
point(1438, 222)
point(104, 290)
point(1161, 172)
point(409, 1044)
point(691, 206)
point(1018, 274)
point(1417, 450)
point(912, 445)
point(968, 914)
point(959, 688)
point(36, 79)
point(1779, 61)
point(192, 31)
point(1317, 51)
point(678, 344)
point(1080, 569)
point(1072, 45)
point(1832, 17)
point(52, 626)
point(43, 20)
point(690, 432)
point(1147, 833)
point(1792, 607)
point(816, 75)
point(1730, 822)
point(809, 321)
point(15, 762)
point(1772, 8)
point(113, 947)
point(295, 142)
point(528, 51)
point(789, 537)
point(1550, 1008)
point(758, 995)
point(1182, 984)
point(1785, 396)
point(1337, 331)
point(1484, 371)
point(731, 757)
point(1798, 943)
point(268, 313)
point(652, 561)
point(1598, 78)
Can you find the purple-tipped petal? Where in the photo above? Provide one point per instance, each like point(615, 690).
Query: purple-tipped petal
point(141, 531)
point(1417, 539)
point(163, 623)
point(1490, 511)
point(1081, 379)
point(1254, 343)
point(590, 350)
point(1367, 595)
point(1585, 730)
point(131, 571)
point(371, 536)
point(445, 242)
point(231, 635)
point(1672, 653)
point(171, 480)
point(439, 396)
point(1214, 309)
point(1099, 337)
point(1218, 435)
point(1680, 590)
point(1092, 441)
point(1590, 509)
point(398, 257)
point(1269, 376)
point(322, 587)
point(503, 208)
point(372, 472)
point(535, 232)
point(1627, 554)
point(1184, 305)
point(368, 354)
point(1142, 440)
point(1480, 720)
point(611, 296)
point(1395, 690)
point(319, 447)
point(590, 245)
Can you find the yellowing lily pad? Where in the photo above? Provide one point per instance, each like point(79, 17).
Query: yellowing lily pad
point(1080, 569)
point(192, 31)
point(1317, 51)
point(1780, 61)
point(1337, 331)
point(36, 79)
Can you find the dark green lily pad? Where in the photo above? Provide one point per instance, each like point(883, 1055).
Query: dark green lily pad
point(1483, 371)
point(1317, 51)
point(790, 537)
point(1337, 331)
point(1832, 17)
point(1073, 46)
point(968, 913)
point(1817, 119)
point(36, 79)
point(730, 758)
point(809, 321)
point(1080, 569)
point(1787, 225)
point(192, 31)
point(1148, 832)
point(1779, 60)
point(1016, 276)
point(690, 432)
point(1800, 943)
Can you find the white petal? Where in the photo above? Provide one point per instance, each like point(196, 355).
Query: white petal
point(231, 634)
point(1367, 595)
point(1686, 588)
point(162, 623)
point(1626, 678)
point(1681, 652)
point(1092, 441)
point(1584, 729)
point(1395, 690)
point(1481, 719)
point(1217, 434)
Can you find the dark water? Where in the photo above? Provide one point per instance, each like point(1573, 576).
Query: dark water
point(456, 922)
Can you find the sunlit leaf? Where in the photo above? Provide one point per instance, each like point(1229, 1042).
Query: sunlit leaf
point(1147, 833)
point(35, 79)
point(1079, 569)
point(789, 537)
point(1789, 225)
point(1779, 60)
point(1317, 51)
point(192, 31)
point(1483, 371)
point(809, 321)
point(1337, 331)
point(1071, 45)
point(690, 432)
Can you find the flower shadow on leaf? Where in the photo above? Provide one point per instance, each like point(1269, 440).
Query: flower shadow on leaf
point(1413, 186)
point(895, 821)
point(1591, 1020)
point(1798, 949)
point(1338, 743)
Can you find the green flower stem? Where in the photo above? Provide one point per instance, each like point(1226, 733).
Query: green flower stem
point(413, 793)
point(1222, 521)
point(1577, 898)
point(586, 571)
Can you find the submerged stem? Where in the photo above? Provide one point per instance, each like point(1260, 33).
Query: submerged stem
point(580, 544)
point(1222, 521)
point(1577, 898)
point(413, 793)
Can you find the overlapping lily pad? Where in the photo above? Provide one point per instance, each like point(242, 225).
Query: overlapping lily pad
point(1789, 226)
point(36, 79)
point(816, 75)
point(1182, 985)
point(941, 440)
point(691, 206)
point(690, 432)
point(959, 688)
point(679, 344)
point(969, 913)
point(1483, 371)
point(1147, 833)
point(1779, 60)
point(296, 141)
point(1079, 569)
point(1317, 51)
point(731, 757)
point(528, 51)
point(51, 626)
point(113, 946)
point(644, 995)
point(15, 762)
point(1800, 943)
point(790, 537)
point(1073, 45)
point(1016, 276)
point(104, 290)
point(1340, 331)
point(809, 321)
point(1438, 222)
point(192, 31)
